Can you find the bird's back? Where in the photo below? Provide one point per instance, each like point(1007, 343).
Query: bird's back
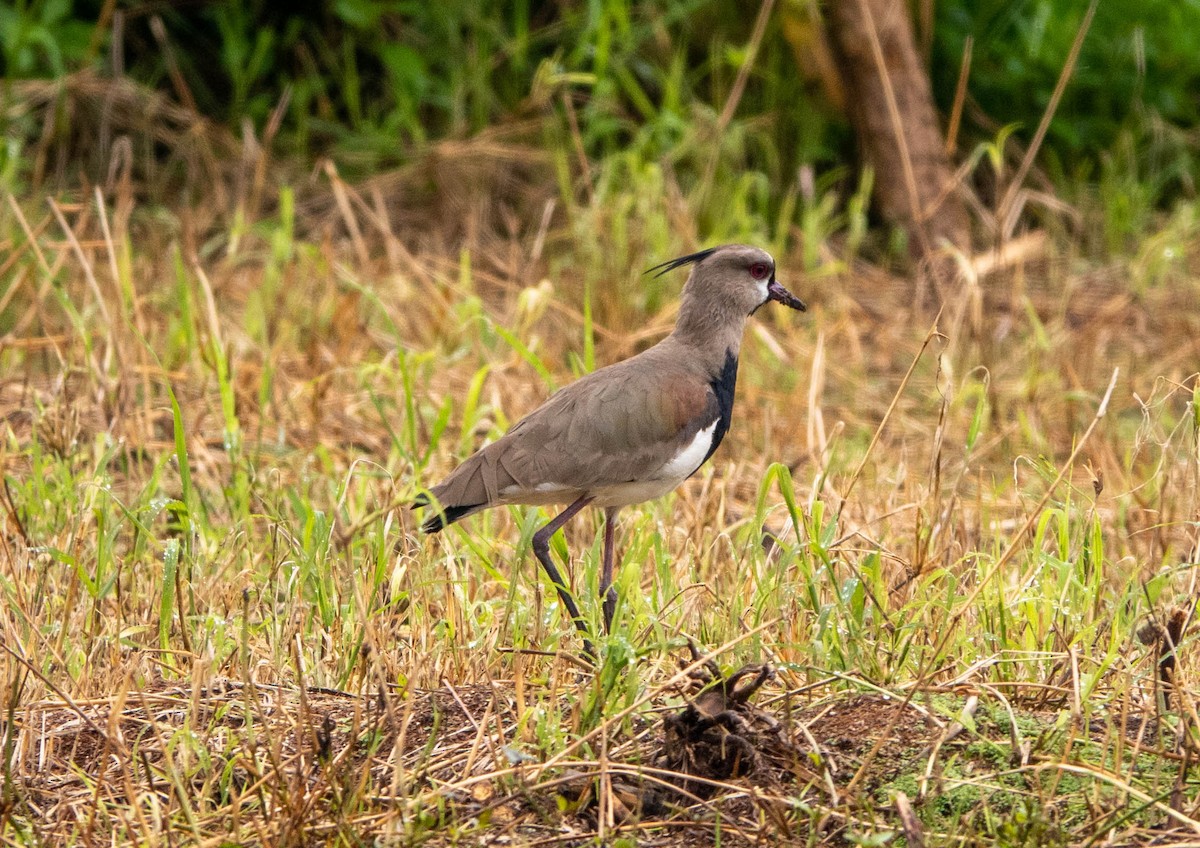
point(620, 424)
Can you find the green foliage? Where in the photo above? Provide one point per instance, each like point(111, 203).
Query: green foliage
point(41, 38)
point(638, 84)
point(1137, 73)
point(369, 79)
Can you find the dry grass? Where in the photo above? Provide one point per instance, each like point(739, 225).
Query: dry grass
point(220, 623)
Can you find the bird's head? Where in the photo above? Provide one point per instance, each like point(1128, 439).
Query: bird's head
point(737, 276)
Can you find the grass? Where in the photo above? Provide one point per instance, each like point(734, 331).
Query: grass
point(222, 624)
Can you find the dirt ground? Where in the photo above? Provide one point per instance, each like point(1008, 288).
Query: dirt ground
point(717, 756)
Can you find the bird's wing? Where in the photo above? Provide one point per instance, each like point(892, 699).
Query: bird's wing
point(613, 426)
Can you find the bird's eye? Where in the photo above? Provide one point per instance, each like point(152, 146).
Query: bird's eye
point(759, 270)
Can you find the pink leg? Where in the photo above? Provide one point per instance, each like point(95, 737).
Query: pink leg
point(607, 590)
point(541, 549)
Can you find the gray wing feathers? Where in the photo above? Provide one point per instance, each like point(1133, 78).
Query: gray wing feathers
point(478, 481)
point(609, 427)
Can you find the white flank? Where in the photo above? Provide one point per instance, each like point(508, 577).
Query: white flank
point(689, 459)
point(540, 488)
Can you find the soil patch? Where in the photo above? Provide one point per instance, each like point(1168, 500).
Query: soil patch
point(456, 765)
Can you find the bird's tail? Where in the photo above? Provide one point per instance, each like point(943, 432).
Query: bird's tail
point(443, 517)
point(469, 488)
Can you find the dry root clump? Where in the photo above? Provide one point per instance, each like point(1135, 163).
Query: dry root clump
point(720, 735)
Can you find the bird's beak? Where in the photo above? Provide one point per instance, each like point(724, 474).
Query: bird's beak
point(779, 294)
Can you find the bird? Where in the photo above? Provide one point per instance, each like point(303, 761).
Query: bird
point(629, 432)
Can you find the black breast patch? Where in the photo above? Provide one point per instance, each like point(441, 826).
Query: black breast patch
point(723, 386)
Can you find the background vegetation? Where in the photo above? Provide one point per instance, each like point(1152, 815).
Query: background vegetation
point(370, 82)
point(265, 270)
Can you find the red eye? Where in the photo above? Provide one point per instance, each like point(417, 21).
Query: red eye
point(759, 270)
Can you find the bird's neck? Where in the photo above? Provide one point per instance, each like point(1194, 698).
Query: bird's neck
point(710, 333)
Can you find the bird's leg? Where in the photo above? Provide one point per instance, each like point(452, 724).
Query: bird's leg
point(541, 549)
point(607, 590)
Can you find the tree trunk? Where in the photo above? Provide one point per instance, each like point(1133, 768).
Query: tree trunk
point(890, 103)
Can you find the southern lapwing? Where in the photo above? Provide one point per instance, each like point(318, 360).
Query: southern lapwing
point(629, 432)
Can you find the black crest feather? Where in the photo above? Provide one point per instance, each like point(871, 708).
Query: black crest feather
point(699, 256)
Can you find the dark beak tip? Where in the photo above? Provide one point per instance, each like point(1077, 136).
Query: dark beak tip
point(779, 294)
